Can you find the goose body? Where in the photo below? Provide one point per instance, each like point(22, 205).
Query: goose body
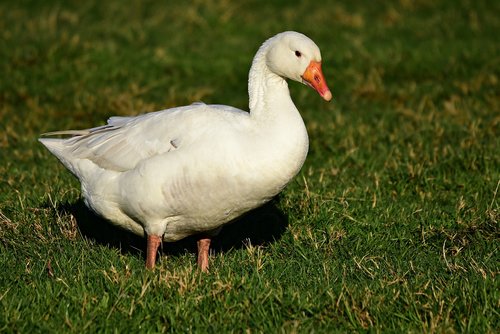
point(190, 170)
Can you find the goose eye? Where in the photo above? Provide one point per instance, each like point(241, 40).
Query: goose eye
point(298, 54)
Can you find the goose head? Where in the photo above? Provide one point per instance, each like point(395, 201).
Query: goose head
point(295, 56)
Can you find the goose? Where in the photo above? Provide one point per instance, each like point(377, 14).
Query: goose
point(189, 170)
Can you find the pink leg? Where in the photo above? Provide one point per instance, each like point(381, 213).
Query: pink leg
point(154, 242)
point(203, 248)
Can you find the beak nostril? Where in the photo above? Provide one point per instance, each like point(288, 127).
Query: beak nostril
point(313, 76)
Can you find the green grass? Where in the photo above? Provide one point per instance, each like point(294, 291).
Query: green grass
point(391, 226)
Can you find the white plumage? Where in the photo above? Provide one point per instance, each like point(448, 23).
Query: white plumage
point(189, 170)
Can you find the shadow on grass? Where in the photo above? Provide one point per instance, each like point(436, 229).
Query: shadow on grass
point(258, 227)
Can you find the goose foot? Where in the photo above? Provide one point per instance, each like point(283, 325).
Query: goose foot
point(154, 242)
point(203, 248)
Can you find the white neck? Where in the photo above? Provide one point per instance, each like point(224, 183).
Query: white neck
point(267, 90)
point(280, 123)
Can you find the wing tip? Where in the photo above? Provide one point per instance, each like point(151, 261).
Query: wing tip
point(66, 133)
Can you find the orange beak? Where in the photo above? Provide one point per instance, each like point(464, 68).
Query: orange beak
point(313, 77)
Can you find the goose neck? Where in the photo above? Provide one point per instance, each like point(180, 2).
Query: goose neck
point(266, 90)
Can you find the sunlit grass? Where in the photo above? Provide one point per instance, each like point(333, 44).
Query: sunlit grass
point(391, 226)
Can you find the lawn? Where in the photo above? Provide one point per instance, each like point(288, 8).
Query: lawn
point(392, 224)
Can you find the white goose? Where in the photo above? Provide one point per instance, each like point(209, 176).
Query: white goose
point(190, 170)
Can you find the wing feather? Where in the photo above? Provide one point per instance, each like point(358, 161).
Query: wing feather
point(125, 141)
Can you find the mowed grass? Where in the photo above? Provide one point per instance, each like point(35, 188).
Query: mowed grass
point(391, 226)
